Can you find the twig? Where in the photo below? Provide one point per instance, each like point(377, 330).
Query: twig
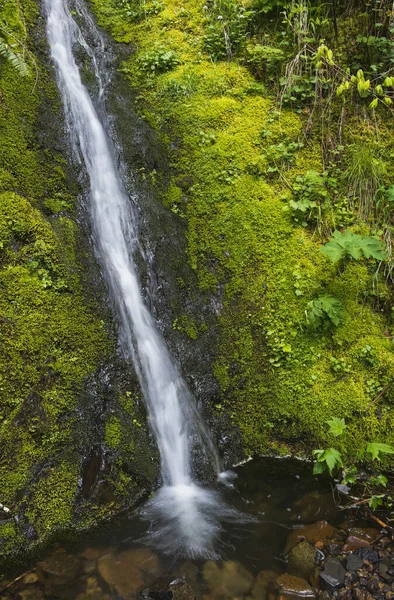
point(15, 581)
point(384, 390)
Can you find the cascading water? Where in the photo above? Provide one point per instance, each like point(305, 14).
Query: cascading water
point(185, 516)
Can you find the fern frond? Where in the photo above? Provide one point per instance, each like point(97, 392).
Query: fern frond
point(16, 60)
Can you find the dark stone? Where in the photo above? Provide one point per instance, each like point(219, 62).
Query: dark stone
point(333, 575)
point(353, 562)
point(367, 554)
point(334, 548)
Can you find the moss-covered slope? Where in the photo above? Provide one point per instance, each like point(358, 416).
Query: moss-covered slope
point(60, 466)
point(236, 154)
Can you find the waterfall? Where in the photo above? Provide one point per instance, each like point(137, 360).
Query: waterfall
point(184, 515)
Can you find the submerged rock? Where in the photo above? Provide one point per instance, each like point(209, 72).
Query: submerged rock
point(319, 531)
point(129, 571)
point(60, 567)
point(263, 582)
point(290, 585)
point(232, 579)
point(302, 559)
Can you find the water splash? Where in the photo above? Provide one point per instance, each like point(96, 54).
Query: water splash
point(182, 512)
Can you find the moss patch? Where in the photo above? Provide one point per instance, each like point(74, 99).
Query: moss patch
point(235, 158)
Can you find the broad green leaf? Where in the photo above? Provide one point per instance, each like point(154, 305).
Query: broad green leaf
point(337, 426)
point(333, 459)
point(375, 449)
point(354, 245)
point(319, 467)
point(334, 252)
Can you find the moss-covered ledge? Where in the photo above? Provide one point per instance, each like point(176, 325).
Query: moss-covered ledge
point(280, 380)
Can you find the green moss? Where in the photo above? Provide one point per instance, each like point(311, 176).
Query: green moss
point(51, 503)
point(280, 380)
point(113, 433)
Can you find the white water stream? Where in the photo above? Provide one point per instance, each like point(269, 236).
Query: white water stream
point(184, 515)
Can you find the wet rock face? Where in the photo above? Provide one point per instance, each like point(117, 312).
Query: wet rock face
point(129, 571)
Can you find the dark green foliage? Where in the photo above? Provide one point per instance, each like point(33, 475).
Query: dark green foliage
point(324, 309)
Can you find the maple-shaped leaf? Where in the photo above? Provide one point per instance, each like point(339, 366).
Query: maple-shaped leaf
point(354, 245)
point(375, 449)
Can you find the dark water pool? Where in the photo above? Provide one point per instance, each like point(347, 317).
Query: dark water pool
point(280, 494)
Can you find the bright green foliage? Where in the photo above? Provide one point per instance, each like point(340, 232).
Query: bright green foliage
point(324, 309)
point(330, 459)
point(376, 450)
point(349, 244)
point(158, 60)
point(337, 426)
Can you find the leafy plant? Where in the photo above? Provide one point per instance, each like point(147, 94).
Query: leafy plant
point(329, 459)
point(311, 197)
point(264, 60)
point(375, 450)
point(158, 60)
point(324, 309)
point(349, 244)
point(337, 426)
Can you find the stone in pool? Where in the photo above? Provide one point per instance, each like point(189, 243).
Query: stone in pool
point(290, 586)
point(302, 559)
point(263, 583)
point(129, 571)
point(232, 579)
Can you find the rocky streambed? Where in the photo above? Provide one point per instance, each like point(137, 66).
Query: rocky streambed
point(296, 545)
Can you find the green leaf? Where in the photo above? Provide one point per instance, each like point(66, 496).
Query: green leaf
point(375, 449)
point(324, 308)
point(333, 459)
point(337, 426)
point(319, 468)
point(376, 501)
point(354, 245)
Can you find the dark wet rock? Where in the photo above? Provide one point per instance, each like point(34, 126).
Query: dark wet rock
point(232, 579)
point(333, 575)
point(60, 567)
point(367, 554)
point(181, 590)
point(385, 570)
point(353, 562)
point(302, 559)
point(334, 548)
point(319, 531)
point(360, 538)
point(263, 583)
point(129, 571)
point(290, 585)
